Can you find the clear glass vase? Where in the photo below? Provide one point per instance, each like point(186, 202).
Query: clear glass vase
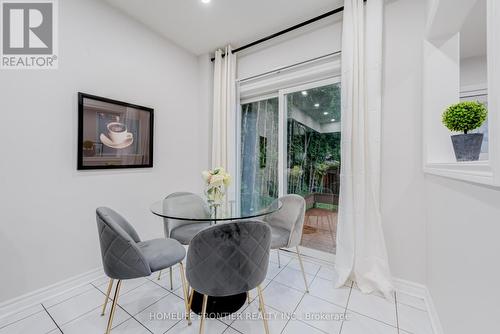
point(215, 198)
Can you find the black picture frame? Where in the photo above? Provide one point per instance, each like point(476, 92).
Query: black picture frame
point(80, 149)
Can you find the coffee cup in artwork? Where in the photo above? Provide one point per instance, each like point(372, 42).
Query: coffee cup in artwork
point(117, 132)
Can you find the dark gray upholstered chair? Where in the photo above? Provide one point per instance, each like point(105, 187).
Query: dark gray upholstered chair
point(125, 256)
point(286, 226)
point(229, 259)
point(182, 230)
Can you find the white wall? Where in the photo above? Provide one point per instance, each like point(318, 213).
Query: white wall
point(403, 210)
point(316, 41)
point(206, 101)
point(473, 73)
point(462, 254)
point(47, 224)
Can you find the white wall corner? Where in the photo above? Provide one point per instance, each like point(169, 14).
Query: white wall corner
point(420, 291)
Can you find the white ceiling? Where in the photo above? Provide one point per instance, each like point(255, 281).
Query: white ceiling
point(473, 39)
point(201, 28)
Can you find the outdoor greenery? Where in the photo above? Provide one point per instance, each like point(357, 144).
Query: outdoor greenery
point(312, 153)
point(465, 116)
point(259, 153)
point(310, 156)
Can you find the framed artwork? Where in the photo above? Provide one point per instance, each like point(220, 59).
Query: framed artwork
point(113, 134)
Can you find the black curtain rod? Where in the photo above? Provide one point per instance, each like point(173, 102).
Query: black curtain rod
point(287, 30)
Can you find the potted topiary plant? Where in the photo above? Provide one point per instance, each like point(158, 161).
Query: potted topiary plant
point(465, 117)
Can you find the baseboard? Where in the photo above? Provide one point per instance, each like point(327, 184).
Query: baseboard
point(17, 304)
point(420, 291)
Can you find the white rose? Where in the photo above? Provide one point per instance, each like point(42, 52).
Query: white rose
point(217, 180)
point(206, 175)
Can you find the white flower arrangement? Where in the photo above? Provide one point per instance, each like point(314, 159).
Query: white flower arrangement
point(216, 180)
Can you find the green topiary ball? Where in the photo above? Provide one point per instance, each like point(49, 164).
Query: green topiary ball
point(465, 116)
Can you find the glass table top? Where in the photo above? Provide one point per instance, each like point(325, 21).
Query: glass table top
point(193, 207)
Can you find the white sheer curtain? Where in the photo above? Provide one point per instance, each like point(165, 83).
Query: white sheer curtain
point(361, 252)
point(224, 109)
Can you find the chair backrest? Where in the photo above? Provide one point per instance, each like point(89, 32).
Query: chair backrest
point(290, 217)
point(121, 257)
point(183, 203)
point(229, 259)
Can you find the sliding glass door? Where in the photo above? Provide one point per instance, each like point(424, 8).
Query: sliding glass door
point(259, 153)
point(289, 143)
point(312, 167)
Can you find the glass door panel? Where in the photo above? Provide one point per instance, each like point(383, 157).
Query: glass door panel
point(312, 167)
point(259, 153)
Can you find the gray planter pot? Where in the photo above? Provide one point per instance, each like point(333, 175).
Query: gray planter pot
point(467, 146)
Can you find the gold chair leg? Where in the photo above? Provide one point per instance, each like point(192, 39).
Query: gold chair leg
point(113, 307)
point(262, 309)
point(184, 289)
point(159, 275)
point(302, 269)
point(203, 314)
point(279, 261)
point(249, 298)
point(110, 286)
point(189, 306)
point(171, 282)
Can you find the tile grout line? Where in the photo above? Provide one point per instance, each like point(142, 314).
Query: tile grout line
point(132, 317)
point(367, 316)
point(80, 315)
point(165, 288)
point(65, 300)
point(345, 309)
point(50, 316)
point(97, 287)
point(372, 318)
point(23, 318)
point(310, 284)
point(168, 293)
point(88, 312)
point(170, 326)
point(293, 312)
point(124, 310)
point(397, 314)
point(300, 301)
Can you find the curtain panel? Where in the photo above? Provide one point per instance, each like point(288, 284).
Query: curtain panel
point(224, 109)
point(361, 251)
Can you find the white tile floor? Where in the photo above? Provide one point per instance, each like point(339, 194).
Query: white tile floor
point(292, 310)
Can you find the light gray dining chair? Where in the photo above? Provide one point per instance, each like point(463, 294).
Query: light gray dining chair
point(229, 259)
point(187, 204)
point(286, 226)
point(125, 256)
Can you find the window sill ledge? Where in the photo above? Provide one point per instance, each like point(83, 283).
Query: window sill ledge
point(475, 171)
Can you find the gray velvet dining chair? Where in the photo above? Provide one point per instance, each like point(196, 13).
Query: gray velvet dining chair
point(286, 226)
point(125, 256)
point(188, 204)
point(228, 259)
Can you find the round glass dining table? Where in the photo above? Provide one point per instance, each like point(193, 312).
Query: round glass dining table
point(177, 207)
point(172, 208)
